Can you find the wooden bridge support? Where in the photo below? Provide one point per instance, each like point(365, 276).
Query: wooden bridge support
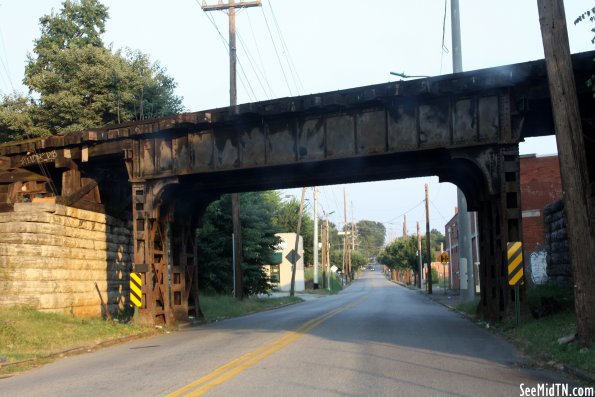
point(165, 253)
point(499, 222)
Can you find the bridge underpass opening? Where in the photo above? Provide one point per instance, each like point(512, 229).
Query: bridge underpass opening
point(464, 128)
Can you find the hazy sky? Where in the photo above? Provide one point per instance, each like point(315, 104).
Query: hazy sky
point(326, 45)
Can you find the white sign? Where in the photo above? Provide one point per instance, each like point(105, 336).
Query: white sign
point(334, 269)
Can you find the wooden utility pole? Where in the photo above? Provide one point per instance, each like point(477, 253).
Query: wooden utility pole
point(428, 245)
point(346, 260)
point(315, 247)
point(323, 253)
point(573, 163)
point(297, 244)
point(421, 269)
point(233, 102)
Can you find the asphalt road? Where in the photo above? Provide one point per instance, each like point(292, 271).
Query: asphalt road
point(373, 339)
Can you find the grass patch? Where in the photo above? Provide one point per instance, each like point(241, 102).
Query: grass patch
point(27, 334)
point(468, 307)
point(309, 281)
point(220, 307)
point(539, 338)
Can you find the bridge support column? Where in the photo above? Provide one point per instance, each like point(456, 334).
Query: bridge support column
point(499, 222)
point(150, 255)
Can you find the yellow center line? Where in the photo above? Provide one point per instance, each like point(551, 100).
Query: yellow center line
point(240, 364)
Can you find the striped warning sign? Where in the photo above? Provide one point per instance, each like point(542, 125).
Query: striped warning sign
point(136, 295)
point(515, 262)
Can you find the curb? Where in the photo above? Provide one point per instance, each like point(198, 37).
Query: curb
point(72, 351)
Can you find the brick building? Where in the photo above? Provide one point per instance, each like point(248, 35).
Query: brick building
point(540, 185)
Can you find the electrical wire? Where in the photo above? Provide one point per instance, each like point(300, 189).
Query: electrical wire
point(262, 67)
point(293, 72)
point(444, 47)
point(248, 88)
point(276, 51)
point(252, 65)
point(404, 213)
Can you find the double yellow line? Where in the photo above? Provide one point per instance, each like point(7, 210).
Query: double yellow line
point(233, 368)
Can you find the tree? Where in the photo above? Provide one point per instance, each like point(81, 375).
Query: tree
point(82, 84)
point(371, 237)
point(16, 123)
point(258, 240)
point(286, 220)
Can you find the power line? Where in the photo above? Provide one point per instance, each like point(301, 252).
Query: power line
point(253, 65)
point(295, 76)
point(404, 213)
point(276, 52)
point(262, 67)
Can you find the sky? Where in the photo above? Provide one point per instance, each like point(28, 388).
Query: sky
point(290, 47)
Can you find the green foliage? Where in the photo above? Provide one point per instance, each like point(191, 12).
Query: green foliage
point(26, 333)
point(16, 123)
point(285, 219)
point(589, 14)
point(81, 84)
point(219, 307)
point(539, 337)
point(258, 243)
point(371, 237)
point(548, 299)
point(402, 253)
point(358, 260)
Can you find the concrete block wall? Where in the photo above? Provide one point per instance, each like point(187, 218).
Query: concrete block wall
point(51, 256)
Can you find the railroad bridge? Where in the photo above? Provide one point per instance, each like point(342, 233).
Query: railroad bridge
point(161, 174)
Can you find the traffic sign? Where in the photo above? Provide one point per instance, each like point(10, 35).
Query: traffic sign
point(515, 262)
point(293, 256)
point(136, 295)
point(444, 258)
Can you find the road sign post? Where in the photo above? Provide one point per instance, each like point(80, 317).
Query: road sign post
point(514, 252)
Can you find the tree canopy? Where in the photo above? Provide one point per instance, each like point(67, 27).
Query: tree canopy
point(370, 235)
point(76, 83)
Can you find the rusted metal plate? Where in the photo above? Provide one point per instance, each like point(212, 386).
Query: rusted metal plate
point(340, 136)
point(402, 126)
point(281, 141)
point(252, 148)
point(227, 153)
point(311, 141)
point(489, 119)
point(202, 151)
point(182, 159)
point(371, 132)
point(465, 121)
point(434, 123)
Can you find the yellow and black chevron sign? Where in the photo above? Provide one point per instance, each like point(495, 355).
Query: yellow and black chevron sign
point(515, 262)
point(136, 295)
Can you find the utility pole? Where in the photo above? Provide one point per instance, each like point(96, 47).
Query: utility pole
point(404, 227)
point(233, 102)
point(328, 253)
point(297, 243)
point(429, 282)
point(463, 222)
point(352, 238)
point(315, 286)
point(323, 253)
point(573, 162)
point(420, 270)
point(346, 260)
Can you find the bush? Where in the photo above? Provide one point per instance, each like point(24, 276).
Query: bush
point(548, 299)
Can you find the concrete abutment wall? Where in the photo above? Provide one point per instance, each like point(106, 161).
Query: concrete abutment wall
point(51, 256)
